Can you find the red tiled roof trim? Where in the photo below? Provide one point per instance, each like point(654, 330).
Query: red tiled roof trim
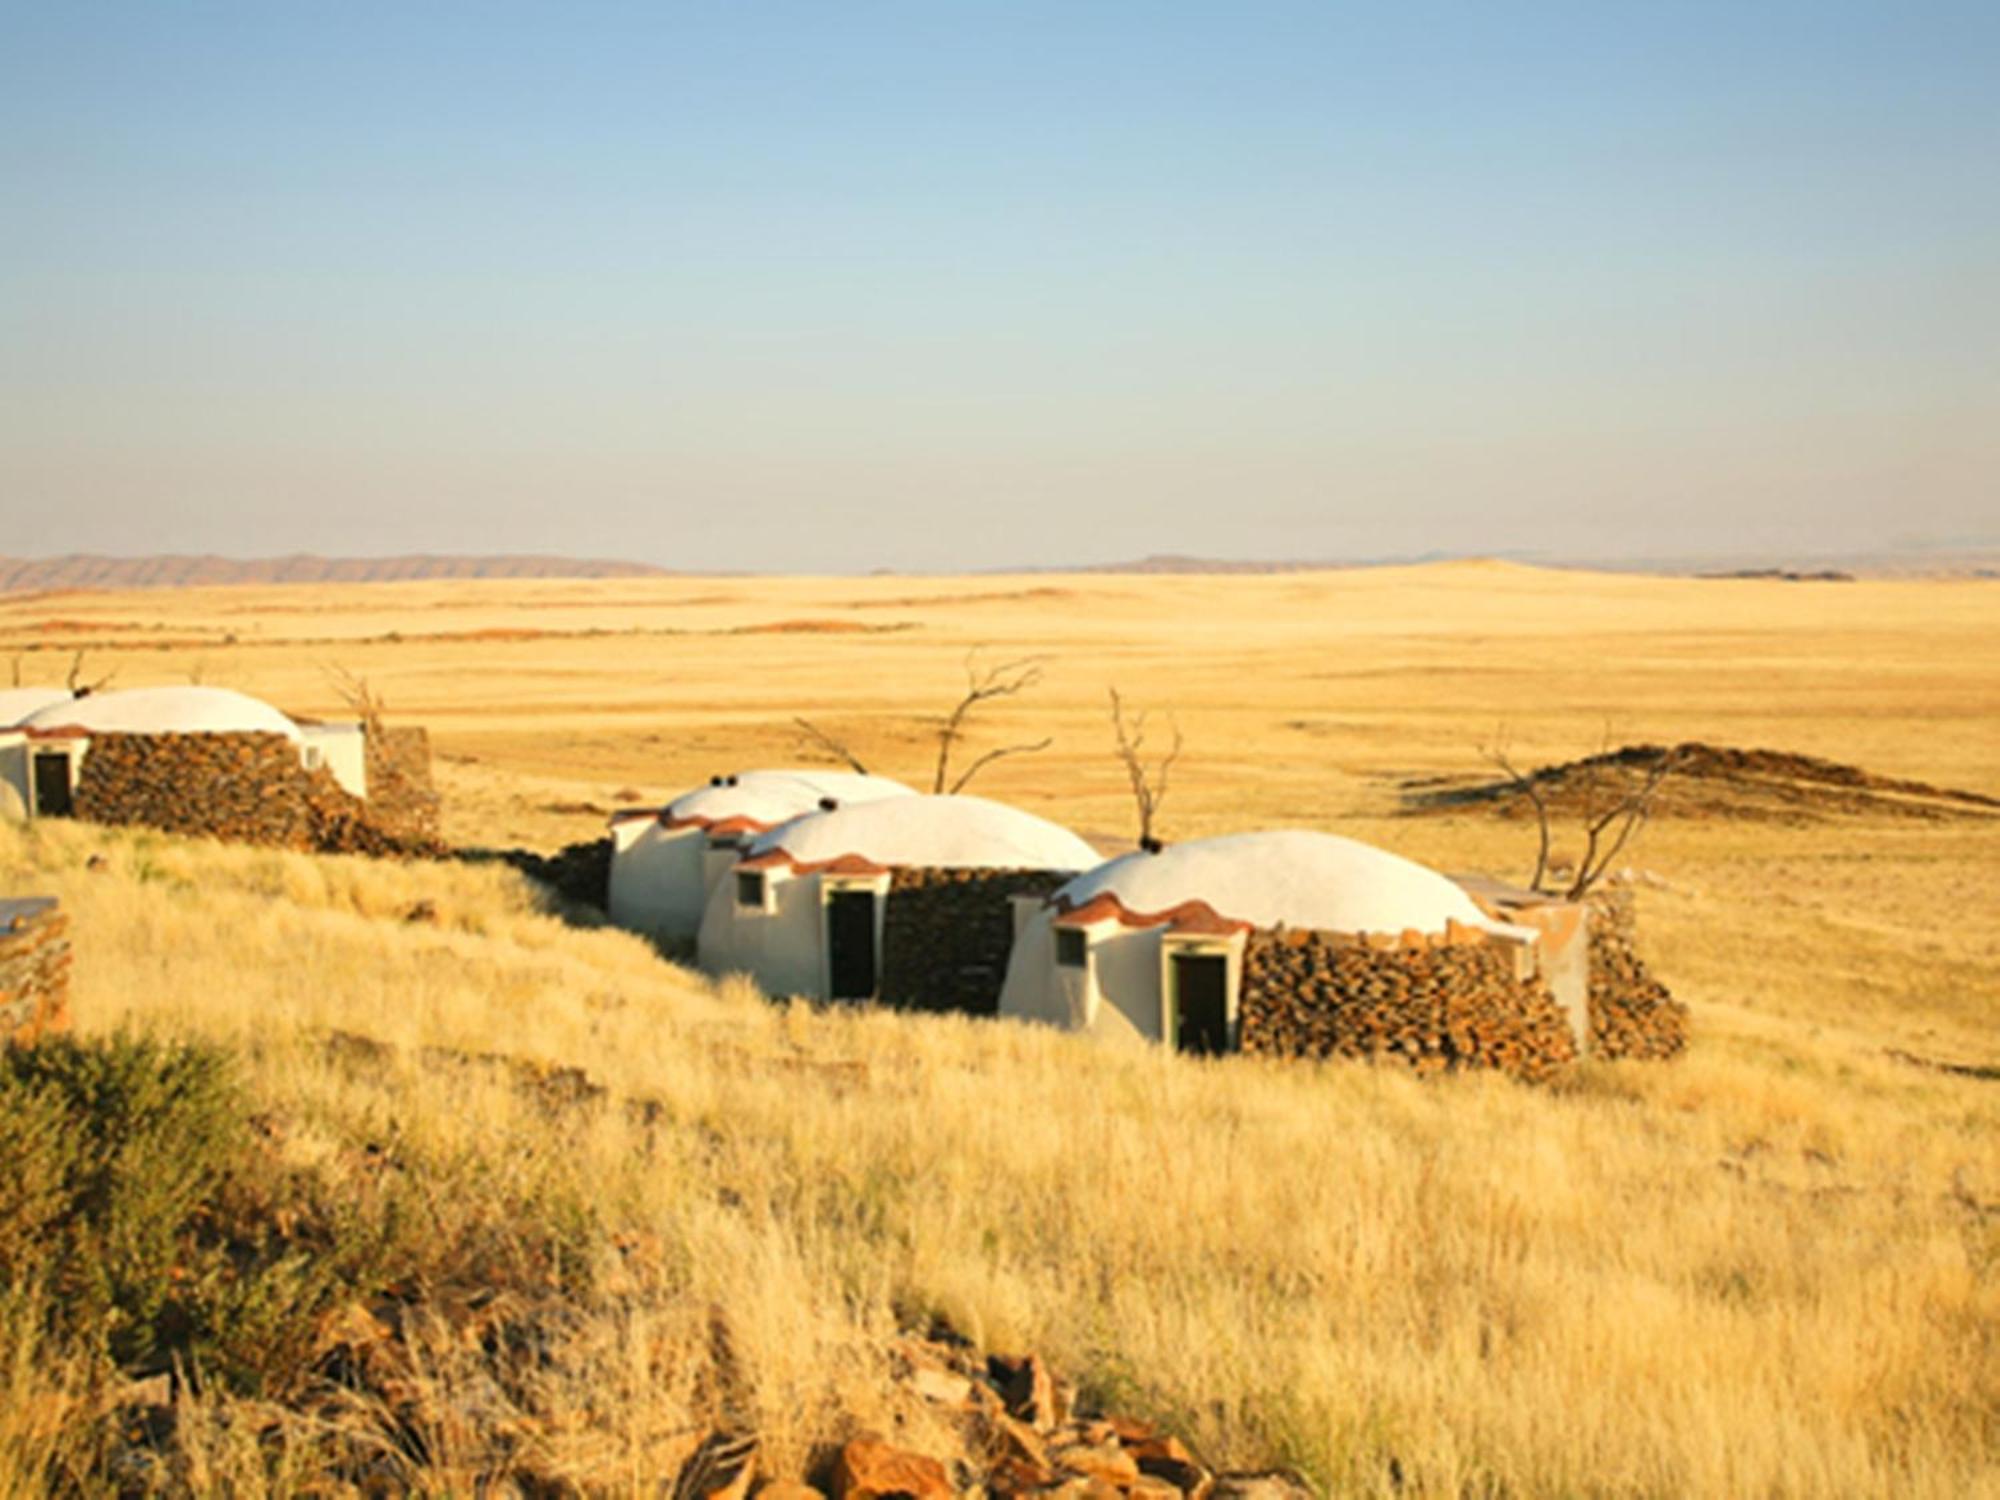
point(846, 864)
point(1189, 916)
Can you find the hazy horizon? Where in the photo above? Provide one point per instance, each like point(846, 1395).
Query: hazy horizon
point(891, 286)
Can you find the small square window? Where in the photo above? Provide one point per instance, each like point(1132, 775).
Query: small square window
point(750, 888)
point(724, 842)
point(1072, 947)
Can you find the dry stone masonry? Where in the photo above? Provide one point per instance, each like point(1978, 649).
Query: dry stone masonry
point(946, 936)
point(1432, 1007)
point(1631, 1013)
point(250, 788)
point(34, 970)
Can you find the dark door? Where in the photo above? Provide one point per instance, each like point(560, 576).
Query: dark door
point(52, 799)
point(850, 944)
point(1201, 1002)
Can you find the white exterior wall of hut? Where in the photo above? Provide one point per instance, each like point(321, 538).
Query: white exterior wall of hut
point(782, 943)
point(662, 877)
point(14, 774)
point(342, 749)
point(1123, 990)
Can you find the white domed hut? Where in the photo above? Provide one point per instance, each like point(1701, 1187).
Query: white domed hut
point(665, 861)
point(17, 704)
point(1156, 945)
point(195, 759)
point(908, 900)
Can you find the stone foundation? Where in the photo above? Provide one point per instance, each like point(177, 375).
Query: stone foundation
point(34, 970)
point(1631, 1013)
point(250, 789)
point(947, 934)
point(1315, 994)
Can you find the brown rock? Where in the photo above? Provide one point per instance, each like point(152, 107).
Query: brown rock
point(1028, 1388)
point(870, 1469)
point(1271, 1486)
point(941, 1386)
point(1015, 1439)
point(1106, 1461)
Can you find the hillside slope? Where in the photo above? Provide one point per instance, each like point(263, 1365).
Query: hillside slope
point(1764, 1269)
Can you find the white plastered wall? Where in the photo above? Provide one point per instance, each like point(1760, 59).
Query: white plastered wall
point(342, 749)
point(1122, 991)
point(658, 883)
point(778, 946)
point(1115, 994)
point(14, 773)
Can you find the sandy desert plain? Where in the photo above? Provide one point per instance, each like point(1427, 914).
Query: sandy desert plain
point(1771, 1267)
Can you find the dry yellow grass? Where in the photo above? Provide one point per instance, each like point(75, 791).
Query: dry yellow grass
point(1768, 1268)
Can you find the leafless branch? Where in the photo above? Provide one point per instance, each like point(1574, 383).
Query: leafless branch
point(829, 744)
point(992, 755)
point(1003, 680)
point(1497, 756)
point(1149, 789)
point(1606, 833)
point(359, 696)
point(78, 688)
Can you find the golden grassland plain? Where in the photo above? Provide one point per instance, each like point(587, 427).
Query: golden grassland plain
point(1771, 1267)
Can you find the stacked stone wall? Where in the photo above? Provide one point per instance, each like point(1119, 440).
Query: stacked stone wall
point(247, 788)
point(1432, 1008)
point(947, 934)
point(34, 970)
point(402, 800)
point(1631, 1013)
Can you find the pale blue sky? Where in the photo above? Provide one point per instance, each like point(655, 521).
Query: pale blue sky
point(845, 285)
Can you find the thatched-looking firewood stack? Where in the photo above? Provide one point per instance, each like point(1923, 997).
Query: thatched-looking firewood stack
point(1631, 1013)
point(946, 935)
point(34, 970)
point(1433, 1008)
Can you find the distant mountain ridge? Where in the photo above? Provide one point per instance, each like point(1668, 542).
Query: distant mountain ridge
point(91, 571)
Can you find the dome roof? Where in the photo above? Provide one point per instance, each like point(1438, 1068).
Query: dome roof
point(166, 710)
point(959, 833)
point(1291, 879)
point(763, 799)
point(18, 704)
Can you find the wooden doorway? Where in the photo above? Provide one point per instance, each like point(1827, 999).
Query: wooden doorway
point(1201, 1002)
point(52, 789)
point(850, 945)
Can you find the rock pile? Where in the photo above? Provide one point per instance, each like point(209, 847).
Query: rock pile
point(1020, 1433)
point(947, 934)
point(34, 970)
point(1631, 1013)
point(401, 795)
point(249, 788)
point(1459, 1005)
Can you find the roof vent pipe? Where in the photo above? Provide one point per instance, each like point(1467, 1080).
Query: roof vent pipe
point(1151, 845)
point(828, 804)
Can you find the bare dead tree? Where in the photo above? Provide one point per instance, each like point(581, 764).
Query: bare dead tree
point(1618, 799)
point(78, 688)
point(1149, 788)
point(15, 663)
point(355, 691)
point(982, 684)
point(197, 671)
point(1607, 829)
point(1497, 756)
point(815, 735)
